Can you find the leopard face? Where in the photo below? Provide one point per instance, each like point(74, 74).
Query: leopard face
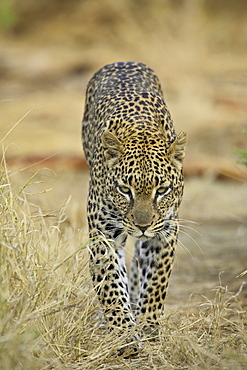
point(145, 181)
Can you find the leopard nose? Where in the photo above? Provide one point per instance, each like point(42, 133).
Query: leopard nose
point(143, 227)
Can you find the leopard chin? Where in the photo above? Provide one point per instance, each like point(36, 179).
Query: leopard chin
point(143, 235)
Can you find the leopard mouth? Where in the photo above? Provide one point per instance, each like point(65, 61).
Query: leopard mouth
point(142, 235)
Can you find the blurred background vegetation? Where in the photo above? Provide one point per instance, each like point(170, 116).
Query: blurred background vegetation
point(49, 50)
point(116, 19)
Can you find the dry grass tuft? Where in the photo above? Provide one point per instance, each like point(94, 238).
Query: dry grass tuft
point(49, 313)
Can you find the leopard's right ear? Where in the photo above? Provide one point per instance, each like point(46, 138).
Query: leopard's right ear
point(112, 147)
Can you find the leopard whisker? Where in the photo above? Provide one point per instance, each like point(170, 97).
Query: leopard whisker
point(187, 227)
point(189, 221)
point(184, 221)
point(187, 234)
point(118, 222)
point(180, 244)
point(166, 234)
point(190, 228)
point(112, 213)
point(191, 238)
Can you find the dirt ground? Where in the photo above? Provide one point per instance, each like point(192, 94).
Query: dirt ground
point(199, 56)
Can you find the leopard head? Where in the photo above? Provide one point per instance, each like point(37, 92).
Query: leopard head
point(145, 180)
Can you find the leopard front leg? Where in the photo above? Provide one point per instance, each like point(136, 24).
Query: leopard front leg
point(134, 281)
point(108, 271)
point(156, 262)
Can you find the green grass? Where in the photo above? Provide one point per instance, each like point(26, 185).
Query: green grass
point(50, 315)
point(8, 15)
point(242, 155)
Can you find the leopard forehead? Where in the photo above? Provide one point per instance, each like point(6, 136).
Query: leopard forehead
point(144, 165)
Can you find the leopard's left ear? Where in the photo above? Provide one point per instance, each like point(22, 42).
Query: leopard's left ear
point(112, 147)
point(177, 149)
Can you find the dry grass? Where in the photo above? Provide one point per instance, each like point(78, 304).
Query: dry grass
point(49, 312)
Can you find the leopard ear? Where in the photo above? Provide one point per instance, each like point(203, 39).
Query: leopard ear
point(177, 149)
point(112, 147)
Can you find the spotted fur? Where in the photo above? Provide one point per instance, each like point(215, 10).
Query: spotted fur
point(136, 187)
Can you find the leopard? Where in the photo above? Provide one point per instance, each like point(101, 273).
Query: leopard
point(136, 184)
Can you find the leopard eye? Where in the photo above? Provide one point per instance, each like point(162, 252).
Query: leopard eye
point(124, 189)
point(163, 190)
